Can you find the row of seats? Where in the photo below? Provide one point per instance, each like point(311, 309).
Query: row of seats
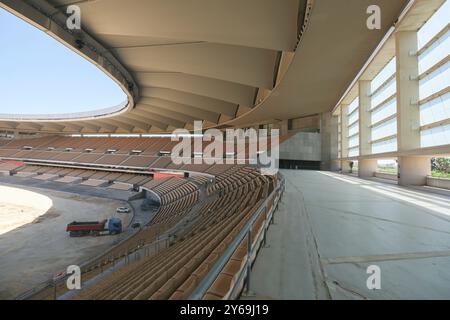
point(209, 221)
point(110, 176)
point(173, 189)
point(214, 219)
point(92, 150)
point(200, 179)
point(32, 142)
point(176, 271)
point(122, 145)
point(175, 211)
point(116, 159)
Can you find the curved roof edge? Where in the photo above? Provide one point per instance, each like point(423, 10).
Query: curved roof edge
point(84, 115)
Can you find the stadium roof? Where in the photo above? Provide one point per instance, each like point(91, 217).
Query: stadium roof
point(228, 62)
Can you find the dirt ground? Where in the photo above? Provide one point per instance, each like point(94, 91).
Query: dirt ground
point(19, 207)
point(34, 244)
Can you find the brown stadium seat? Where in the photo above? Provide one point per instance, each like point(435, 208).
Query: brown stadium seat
point(54, 170)
point(125, 177)
point(112, 159)
point(8, 152)
point(174, 166)
point(201, 224)
point(88, 157)
point(112, 176)
point(176, 271)
point(162, 162)
point(99, 175)
point(85, 174)
point(24, 154)
point(71, 172)
point(139, 161)
point(64, 156)
point(139, 179)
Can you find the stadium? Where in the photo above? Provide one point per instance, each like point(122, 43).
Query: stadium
point(264, 150)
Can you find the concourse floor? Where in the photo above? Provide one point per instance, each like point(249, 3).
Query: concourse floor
point(330, 228)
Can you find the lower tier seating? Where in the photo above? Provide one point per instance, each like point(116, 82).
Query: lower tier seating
point(176, 271)
point(197, 220)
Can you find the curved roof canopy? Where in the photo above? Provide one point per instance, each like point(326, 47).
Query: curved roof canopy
point(226, 62)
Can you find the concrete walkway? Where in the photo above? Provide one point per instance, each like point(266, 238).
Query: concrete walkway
point(329, 228)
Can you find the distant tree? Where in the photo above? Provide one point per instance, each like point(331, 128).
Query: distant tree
point(441, 164)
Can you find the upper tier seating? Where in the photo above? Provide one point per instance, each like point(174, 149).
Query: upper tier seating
point(103, 151)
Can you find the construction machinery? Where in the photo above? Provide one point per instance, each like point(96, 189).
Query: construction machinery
point(95, 228)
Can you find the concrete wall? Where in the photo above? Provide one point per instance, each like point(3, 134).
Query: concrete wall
point(438, 182)
point(302, 146)
point(413, 170)
point(329, 132)
point(306, 123)
point(431, 181)
point(367, 168)
point(314, 146)
point(388, 176)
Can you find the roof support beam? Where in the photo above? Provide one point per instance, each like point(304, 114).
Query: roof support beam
point(182, 108)
point(33, 125)
point(53, 125)
point(201, 102)
point(267, 24)
point(74, 126)
point(213, 88)
point(136, 121)
point(90, 125)
point(107, 125)
point(152, 116)
point(119, 123)
point(245, 65)
point(163, 112)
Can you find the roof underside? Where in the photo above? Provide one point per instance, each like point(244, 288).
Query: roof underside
point(227, 62)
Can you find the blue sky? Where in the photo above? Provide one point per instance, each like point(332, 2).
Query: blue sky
point(38, 75)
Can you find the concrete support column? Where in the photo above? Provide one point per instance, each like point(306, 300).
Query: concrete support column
point(284, 129)
point(367, 168)
point(365, 134)
point(408, 111)
point(344, 131)
point(329, 134)
point(413, 170)
point(345, 166)
point(335, 165)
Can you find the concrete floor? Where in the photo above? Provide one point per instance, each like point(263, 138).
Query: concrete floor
point(329, 228)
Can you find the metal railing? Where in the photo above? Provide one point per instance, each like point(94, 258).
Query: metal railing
point(268, 207)
point(115, 262)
